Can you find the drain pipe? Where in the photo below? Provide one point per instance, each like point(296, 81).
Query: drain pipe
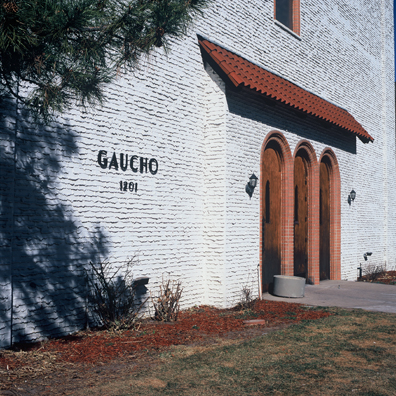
point(259, 283)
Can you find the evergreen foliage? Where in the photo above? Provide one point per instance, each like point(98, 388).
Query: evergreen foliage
point(65, 51)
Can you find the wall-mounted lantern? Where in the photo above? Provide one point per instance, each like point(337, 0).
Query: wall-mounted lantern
point(351, 196)
point(251, 185)
point(365, 255)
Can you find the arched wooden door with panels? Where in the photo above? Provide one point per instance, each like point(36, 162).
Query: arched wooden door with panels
point(324, 220)
point(271, 216)
point(300, 216)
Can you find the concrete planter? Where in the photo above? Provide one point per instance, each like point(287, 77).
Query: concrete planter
point(289, 286)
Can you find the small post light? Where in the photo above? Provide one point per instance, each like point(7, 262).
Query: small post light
point(351, 196)
point(360, 271)
point(251, 185)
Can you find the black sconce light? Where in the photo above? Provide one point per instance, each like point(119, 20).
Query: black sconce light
point(351, 196)
point(251, 185)
point(365, 255)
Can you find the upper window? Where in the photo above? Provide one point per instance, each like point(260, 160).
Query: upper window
point(287, 12)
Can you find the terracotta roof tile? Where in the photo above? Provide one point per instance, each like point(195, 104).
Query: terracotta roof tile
point(244, 73)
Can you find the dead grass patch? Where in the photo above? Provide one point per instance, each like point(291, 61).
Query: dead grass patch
point(350, 360)
point(347, 353)
point(334, 363)
point(229, 364)
point(151, 383)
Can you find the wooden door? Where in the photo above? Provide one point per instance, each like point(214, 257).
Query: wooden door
point(324, 218)
point(271, 221)
point(300, 217)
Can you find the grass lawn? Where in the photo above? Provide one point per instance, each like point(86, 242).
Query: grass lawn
point(350, 353)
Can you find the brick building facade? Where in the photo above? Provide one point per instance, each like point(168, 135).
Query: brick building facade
point(161, 170)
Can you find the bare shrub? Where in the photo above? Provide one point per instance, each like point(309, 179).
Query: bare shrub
point(112, 294)
point(167, 303)
point(372, 272)
point(247, 301)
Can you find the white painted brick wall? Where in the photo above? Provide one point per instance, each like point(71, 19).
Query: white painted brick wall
point(6, 192)
point(338, 58)
point(193, 220)
point(214, 221)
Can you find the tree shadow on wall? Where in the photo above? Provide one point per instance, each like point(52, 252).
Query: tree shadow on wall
point(43, 247)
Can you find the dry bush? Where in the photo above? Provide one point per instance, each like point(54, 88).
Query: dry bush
point(167, 304)
point(247, 301)
point(112, 294)
point(372, 272)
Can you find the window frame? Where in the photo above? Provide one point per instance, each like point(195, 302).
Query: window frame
point(295, 17)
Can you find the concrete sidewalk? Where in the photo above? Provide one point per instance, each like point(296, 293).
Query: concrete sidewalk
point(368, 296)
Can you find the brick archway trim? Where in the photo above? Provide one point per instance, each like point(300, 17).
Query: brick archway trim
point(287, 235)
point(313, 209)
point(335, 213)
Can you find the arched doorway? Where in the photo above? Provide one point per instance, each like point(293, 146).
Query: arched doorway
point(276, 197)
point(306, 213)
point(330, 217)
point(324, 219)
point(301, 215)
point(271, 214)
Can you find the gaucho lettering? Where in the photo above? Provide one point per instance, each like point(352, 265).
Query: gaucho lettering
point(114, 162)
point(137, 164)
point(153, 166)
point(102, 159)
point(124, 166)
point(143, 164)
point(133, 158)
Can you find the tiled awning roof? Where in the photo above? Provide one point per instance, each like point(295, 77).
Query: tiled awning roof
point(243, 73)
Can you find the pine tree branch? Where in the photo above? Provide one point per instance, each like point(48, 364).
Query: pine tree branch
point(11, 90)
point(58, 46)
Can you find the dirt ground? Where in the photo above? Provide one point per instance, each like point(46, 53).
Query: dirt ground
point(387, 277)
point(64, 365)
point(68, 379)
point(60, 366)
